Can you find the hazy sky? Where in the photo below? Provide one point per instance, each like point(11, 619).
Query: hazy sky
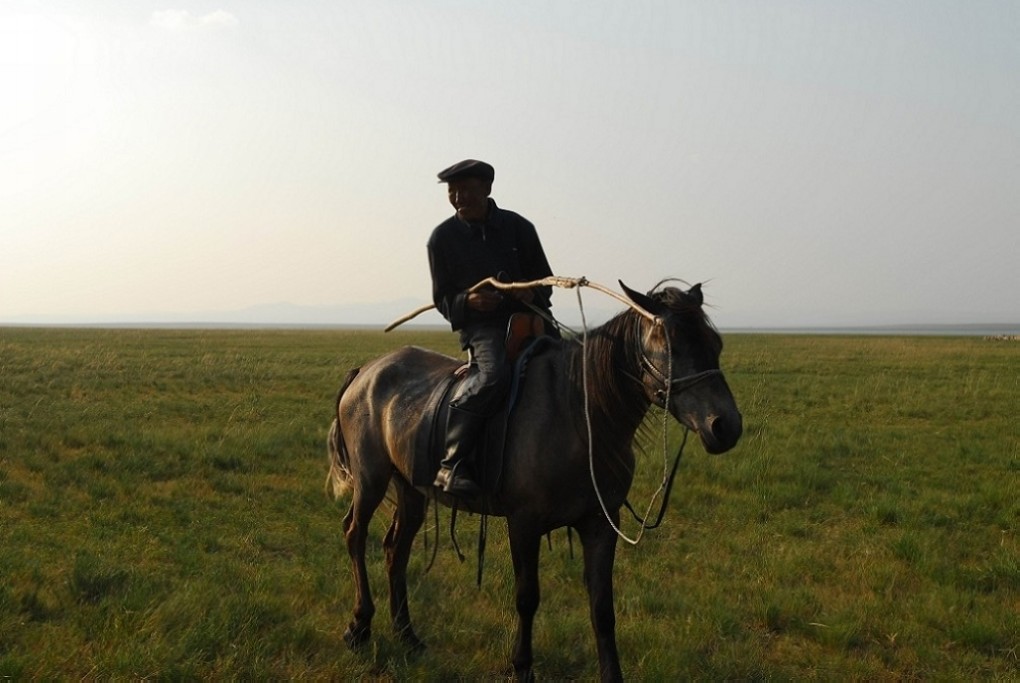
point(815, 162)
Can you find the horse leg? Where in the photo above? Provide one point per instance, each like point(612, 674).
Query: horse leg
point(366, 500)
point(524, 548)
point(599, 541)
point(407, 520)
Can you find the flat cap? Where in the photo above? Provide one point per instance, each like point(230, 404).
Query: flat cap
point(469, 168)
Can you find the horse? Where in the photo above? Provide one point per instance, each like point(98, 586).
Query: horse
point(569, 459)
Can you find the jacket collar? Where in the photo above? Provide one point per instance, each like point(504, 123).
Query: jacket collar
point(473, 228)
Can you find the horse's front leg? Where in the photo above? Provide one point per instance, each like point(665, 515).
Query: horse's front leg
point(407, 520)
point(599, 541)
point(524, 547)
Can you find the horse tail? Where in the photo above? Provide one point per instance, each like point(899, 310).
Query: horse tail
point(338, 479)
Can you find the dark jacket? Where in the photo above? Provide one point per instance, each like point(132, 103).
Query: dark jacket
point(461, 254)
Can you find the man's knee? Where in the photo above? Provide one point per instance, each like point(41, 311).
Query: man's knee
point(493, 378)
point(484, 396)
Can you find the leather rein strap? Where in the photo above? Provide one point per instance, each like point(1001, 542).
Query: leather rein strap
point(670, 385)
point(669, 489)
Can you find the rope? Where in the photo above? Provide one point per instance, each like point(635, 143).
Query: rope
point(453, 532)
point(435, 510)
point(666, 481)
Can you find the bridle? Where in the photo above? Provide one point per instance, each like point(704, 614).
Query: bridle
point(669, 385)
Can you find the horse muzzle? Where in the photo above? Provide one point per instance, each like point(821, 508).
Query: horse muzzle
point(720, 433)
point(705, 405)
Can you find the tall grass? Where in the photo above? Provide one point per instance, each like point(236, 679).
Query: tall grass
point(162, 515)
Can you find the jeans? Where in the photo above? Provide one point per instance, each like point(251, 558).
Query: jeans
point(485, 389)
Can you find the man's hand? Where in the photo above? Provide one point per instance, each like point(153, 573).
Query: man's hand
point(523, 295)
point(484, 300)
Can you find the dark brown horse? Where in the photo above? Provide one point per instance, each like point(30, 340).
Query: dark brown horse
point(634, 360)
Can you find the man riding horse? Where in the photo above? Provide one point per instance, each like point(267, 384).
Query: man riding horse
point(480, 241)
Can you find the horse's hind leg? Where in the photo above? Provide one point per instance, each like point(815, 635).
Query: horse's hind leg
point(407, 520)
point(366, 500)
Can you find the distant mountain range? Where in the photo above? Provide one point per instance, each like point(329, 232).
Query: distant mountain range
point(282, 314)
point(378, 315)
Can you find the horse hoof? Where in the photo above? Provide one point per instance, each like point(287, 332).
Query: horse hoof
point(526, 675)
point(356, 636)
point(412, 642)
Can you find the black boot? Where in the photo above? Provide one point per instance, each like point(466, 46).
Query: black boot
point(463, 430)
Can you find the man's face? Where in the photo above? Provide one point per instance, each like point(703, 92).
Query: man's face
point(470, 197)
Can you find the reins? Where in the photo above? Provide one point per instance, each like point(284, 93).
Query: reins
point(669, 385)
point(669, 490)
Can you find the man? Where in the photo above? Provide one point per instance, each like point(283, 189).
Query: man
point(481, 240)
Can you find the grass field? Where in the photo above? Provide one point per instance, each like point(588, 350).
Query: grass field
point(162, 515)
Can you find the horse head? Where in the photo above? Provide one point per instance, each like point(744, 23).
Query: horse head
point(678, 354)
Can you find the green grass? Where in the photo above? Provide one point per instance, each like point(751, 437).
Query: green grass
point(162, 515)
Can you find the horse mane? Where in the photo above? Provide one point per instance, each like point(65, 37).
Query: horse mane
point(616, 396)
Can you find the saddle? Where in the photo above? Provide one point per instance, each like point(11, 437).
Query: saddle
point(525, 338)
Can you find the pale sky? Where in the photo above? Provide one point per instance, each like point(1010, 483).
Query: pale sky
point(815, 162)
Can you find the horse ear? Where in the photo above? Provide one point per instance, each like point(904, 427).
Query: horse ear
point(695, 293)
point(643, 300)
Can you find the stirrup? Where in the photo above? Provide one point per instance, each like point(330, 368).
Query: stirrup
point(456, 485)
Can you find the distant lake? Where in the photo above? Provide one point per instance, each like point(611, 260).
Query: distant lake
point(971, 330)
point(977, 330)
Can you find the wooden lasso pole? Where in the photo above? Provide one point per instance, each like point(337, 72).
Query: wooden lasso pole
point(551, 281)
